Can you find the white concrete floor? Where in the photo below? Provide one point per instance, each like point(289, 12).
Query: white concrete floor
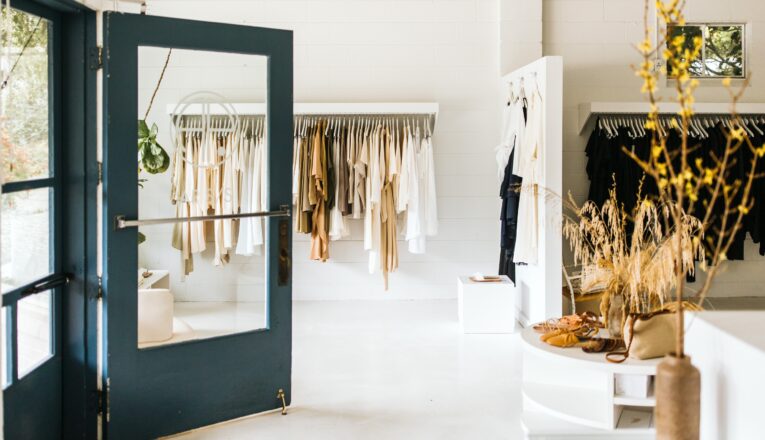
point(390, 370)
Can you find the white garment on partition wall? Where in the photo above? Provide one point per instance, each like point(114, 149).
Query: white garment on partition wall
point(513, 127)
point(529, 160)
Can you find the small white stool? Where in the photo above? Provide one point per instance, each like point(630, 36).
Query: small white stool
point(486, 307)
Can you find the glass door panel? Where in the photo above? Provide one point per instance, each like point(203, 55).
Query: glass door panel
point(26, 244)
point(201, 279)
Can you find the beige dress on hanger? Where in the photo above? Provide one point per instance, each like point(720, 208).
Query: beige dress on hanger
point(388, 238)
point(320, 218)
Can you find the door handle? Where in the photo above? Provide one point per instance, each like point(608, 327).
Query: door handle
point(120, 222)
point(285, 260)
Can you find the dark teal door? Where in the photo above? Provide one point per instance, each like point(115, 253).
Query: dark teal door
point(32, 278)
point(175, 387)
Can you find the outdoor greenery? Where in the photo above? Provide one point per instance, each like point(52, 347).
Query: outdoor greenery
point(24, 127)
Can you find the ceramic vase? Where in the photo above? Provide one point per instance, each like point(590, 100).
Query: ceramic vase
point(616, 316)
point(678, 396)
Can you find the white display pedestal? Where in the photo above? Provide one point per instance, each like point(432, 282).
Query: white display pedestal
point(568, 393)
point(486, 307)
point(156, 323)
point(728, 348)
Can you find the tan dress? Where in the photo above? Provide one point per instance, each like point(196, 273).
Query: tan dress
point(388, 243)
point(318, 194)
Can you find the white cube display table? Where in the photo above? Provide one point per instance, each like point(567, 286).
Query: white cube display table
point(486, 307)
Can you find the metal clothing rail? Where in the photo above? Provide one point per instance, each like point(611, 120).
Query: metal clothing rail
point(120, 222)
point(323, 109)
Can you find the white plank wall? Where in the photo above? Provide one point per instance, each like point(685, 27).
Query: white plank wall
point(446, 51)
point(595, 38)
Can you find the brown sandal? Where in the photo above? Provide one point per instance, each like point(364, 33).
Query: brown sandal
point(599, 345)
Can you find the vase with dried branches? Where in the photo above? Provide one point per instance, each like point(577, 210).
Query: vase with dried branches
point(689, 185)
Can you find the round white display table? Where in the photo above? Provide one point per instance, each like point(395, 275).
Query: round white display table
point(569, 392)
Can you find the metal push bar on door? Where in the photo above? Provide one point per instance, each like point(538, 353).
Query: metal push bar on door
point(121, 223)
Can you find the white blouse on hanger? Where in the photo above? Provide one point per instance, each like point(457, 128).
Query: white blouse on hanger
point(422, 215)
point(513, 125)
point(529, 160)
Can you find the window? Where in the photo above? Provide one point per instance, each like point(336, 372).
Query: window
point(723, 53)
point(30, 199)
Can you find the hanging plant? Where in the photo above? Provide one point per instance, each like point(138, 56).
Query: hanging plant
point(152, 158)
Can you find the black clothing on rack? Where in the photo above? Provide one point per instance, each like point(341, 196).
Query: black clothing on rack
point(509, 219)
point(608, 163)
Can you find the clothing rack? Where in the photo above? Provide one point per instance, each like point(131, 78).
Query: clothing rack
point(590, 110)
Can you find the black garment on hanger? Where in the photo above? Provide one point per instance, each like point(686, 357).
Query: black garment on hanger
point(509, 191)
point(509, 219)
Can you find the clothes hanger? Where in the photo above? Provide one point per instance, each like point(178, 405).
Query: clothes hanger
point(756, 127)
point(634, 126)
point(611, 128)
point(536, 85)
point(702, 129)
point(604, 126)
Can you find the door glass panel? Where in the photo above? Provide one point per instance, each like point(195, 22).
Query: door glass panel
point(34, 331)
point(24, 132)
point(25, 237)
point(201, 279)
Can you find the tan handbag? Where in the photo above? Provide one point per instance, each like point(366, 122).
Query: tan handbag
point(647, 336)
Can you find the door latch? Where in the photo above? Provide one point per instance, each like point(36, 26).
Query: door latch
point(280, 395)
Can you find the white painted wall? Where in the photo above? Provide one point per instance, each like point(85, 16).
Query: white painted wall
point(450, 51)
point(595, 37)
point(445, 51)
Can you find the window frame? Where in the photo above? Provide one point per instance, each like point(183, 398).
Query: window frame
point(54, 184)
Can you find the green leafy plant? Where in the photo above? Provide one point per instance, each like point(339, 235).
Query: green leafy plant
point(152, 158)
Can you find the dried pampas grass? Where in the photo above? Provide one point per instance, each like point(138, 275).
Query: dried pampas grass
point(632, 255)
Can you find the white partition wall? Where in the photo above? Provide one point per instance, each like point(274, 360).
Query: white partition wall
point(538, 287)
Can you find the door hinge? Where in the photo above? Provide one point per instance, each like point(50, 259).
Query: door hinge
point(100, 172)
point(100, 291)
point(96, 58)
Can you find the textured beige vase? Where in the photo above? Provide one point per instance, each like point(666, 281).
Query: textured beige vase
point(678, 393)
point(616, 316)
